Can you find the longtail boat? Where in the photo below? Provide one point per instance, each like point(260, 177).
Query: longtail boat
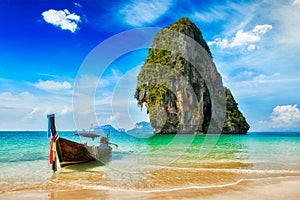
point(69, 152)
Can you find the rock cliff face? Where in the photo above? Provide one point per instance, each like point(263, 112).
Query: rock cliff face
point(181, 88)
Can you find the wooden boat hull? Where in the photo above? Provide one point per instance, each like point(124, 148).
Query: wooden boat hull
point(70, 152)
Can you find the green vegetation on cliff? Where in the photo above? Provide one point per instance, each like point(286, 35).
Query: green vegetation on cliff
point(235, 121)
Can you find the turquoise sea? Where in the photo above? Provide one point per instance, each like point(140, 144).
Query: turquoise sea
point(161, 162)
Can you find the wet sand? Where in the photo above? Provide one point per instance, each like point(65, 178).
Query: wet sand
point(263, 188)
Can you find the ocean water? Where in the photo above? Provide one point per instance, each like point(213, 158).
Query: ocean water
point(157, 163)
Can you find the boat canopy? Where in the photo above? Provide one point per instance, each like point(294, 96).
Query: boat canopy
point(88, 135)
point(93, 132)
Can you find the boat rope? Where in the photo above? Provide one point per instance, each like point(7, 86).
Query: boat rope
point(53, 153)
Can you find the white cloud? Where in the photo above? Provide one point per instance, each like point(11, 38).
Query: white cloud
point(33, 113)
point(251, 47)
point(262, 29)
point(62, 18)
point(296, 2)
point(243, 38)
point(66, 110)
point(214, 14)
point(287, 16)
point(77, 4)
point(53, 85)
point(260, 79)
point(114, 117)
point(286, 116)
point(243, 75)
point(140, 12)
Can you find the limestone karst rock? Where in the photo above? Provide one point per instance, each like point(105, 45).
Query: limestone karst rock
point(181, 87)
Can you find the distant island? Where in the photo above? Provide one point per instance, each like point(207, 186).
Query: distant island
point(141, 128)
point(174, 91)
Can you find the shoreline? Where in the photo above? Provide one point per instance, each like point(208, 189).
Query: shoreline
point(262, 188)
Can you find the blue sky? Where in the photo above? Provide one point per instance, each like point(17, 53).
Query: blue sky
point(43, 45)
